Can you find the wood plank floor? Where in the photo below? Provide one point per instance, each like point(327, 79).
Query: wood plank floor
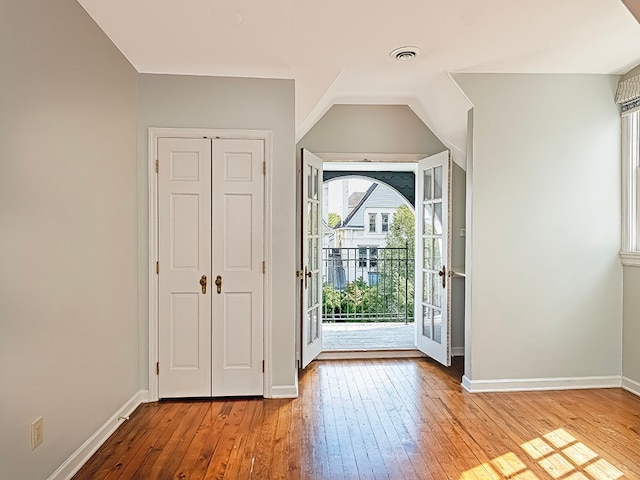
point(380, 419)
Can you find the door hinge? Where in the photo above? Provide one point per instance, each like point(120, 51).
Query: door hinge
point(264, 267)
point(157, 368)
point(262, 366)
point(264, 168)
point(157, 268)
point(157, 166)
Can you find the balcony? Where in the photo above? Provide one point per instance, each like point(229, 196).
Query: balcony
point(367, 298)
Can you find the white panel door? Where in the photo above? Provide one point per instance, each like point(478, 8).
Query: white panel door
point(184, 223)
point(237, 282)
point(310, 272)
point(432, 294)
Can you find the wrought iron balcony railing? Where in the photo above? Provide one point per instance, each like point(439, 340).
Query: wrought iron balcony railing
point(367, 284)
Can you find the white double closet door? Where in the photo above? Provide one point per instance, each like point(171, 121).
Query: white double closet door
point(211, 237)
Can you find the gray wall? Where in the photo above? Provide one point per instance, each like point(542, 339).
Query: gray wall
point(371, 129)
point(230, 103)
point(68, 241)
point(546, 279)
point(458, 220)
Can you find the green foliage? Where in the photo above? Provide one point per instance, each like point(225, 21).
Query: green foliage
point(402, 230)
point(333, 220)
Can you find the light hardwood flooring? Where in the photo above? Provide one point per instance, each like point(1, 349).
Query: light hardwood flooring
point(380, 419)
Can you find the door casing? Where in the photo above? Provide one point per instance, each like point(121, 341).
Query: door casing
point(153, 134)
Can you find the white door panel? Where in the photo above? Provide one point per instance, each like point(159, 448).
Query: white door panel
point(311, 285)
point(238, 231)
point(184, 206)
point(433, 297)
point(211, 223)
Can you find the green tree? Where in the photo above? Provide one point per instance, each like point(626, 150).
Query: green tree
point(397, 282)
point(333, 220)
point(402, 230)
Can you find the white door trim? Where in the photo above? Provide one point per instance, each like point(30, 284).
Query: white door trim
point(153, 134)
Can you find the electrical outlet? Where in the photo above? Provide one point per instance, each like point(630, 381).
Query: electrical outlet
point(37, 434)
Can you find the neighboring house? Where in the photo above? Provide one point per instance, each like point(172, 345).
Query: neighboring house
point(363, 231)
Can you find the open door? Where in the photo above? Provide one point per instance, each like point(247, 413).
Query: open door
point(433, 257)
point(309, 272)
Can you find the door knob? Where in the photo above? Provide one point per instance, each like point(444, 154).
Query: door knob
point(443, 275)
point(203, 283)
point(218, 283)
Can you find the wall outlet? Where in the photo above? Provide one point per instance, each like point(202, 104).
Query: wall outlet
point(37, 434)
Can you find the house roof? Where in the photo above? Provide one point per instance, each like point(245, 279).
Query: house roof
point(362, 200)
point(339, 52)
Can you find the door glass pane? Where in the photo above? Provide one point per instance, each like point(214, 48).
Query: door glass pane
point(437, 287)
point(313, 285)
point(314, 323)
point(315, 183)
point(309, 328)
point(309, 291)
point(314, 260)
point(314, 215)
point(437, 253)
point(428, 184)
point(309, 219)
point(318, 319)
point(427, 261)
point(310, 182)
point(427, 288)
point(437, 182)
point(437, 325)
point(428, 219)
point(437, 218)
point(426, 321)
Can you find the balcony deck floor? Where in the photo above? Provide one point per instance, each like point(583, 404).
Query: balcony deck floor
point(367, 336)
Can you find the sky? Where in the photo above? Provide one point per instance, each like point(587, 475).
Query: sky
point(335, 192)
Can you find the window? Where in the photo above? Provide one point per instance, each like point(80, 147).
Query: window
point(362, 257)
point(385, 222)
point(372, 222)
point(628, 97)
point(630, 172)
point(373, 257)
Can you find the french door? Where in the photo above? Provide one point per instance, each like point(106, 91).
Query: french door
point(310, 272)
point(211, 233)
point(433, 259)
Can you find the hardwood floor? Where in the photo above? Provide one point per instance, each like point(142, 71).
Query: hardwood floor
point(380, 419)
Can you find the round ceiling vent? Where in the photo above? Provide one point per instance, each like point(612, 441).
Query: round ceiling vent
point(404, 54)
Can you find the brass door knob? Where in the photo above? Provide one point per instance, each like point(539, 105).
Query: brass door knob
point(218, 283)
point(203, 283)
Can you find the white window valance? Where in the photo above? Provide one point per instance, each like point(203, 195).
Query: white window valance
point(628, 94)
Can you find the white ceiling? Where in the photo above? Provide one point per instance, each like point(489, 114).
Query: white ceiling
point(338, 50)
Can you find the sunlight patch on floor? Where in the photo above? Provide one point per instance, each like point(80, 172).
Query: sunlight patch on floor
point(558, 453)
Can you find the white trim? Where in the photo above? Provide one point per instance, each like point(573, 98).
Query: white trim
point(372, 157)
point(536, 384)
point(78, 458)
point(631, 386)
point(154, 134)
point(630, 259)
point(284, 391)
point(457, 351)
point(368, 354)
point(370, 167)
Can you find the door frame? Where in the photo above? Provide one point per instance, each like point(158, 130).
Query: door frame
point(153, 134)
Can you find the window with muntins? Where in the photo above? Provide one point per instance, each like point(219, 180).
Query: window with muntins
point(385, 222)
point(372, 222)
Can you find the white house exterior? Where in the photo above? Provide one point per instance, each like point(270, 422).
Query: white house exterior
point(362, 232)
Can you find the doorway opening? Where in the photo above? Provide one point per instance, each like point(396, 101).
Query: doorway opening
point(367, 261)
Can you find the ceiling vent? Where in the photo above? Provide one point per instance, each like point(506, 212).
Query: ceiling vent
point(404, 54)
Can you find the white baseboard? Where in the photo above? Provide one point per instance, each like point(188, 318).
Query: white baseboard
point(631, 386)
point(534, 384)
point(457, 351)
point(284, 391)
point(78, 458)
point(368, 354)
